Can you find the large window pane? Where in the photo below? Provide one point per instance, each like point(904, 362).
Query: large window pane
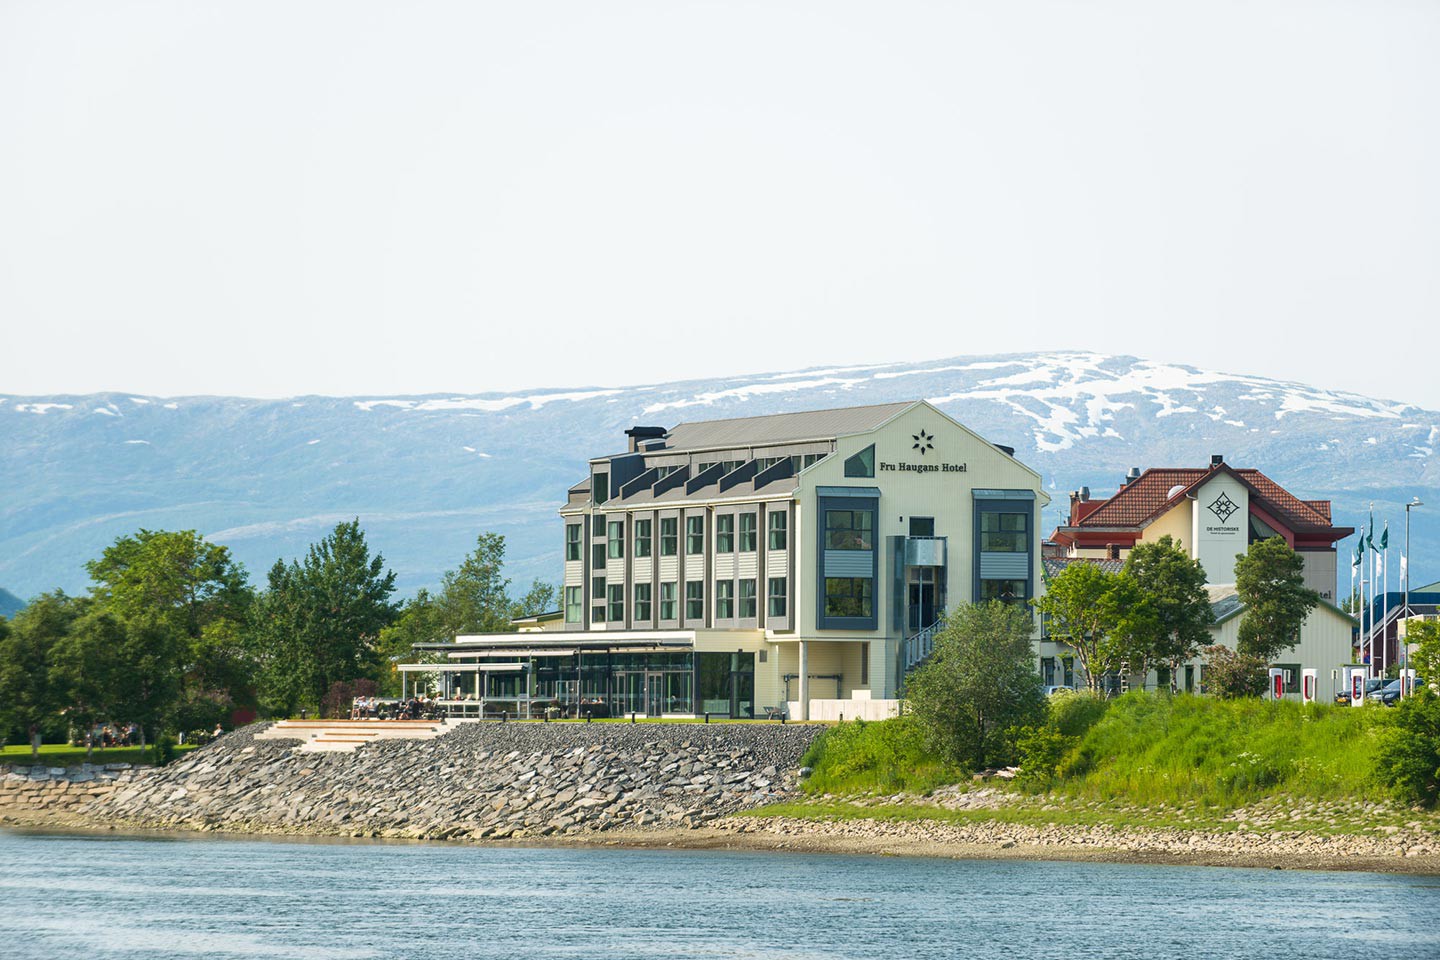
point(1004, 533)
point(724, 599)
point(849, 529)
point(777, 524)
point(747, 532)
point(1006, 591)
point(642, 603)
point(642, 538)
point(862, 464)
point(667, 601)
point(574, 603)
point(572, 541)
point(747, 599)
point(617, 603)
point(778, 597)
point(694, 535)
point(849, 597)
point(724, 533)
point(617, 539)
point(695, 600)
point(669, 536)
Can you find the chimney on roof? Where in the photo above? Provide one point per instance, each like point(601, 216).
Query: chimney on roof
point(1216, 459)
point(637, 434)
point(1132, 476)
point(1084, 494)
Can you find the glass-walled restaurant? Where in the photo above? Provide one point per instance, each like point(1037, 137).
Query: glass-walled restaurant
point(598, 683)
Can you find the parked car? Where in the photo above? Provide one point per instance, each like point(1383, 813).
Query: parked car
point(1055, 689)
point(1389, 695)
point(1372, 687)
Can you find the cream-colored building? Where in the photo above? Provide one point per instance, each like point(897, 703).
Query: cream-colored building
point(795, 562)
point(1214, 513)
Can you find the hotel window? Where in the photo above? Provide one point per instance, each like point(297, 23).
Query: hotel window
point(597, 588)
point(778, 596)
point(747, 599)
point(572, 541)
point(849, 529)
point(865, 664)
point(694, 535)
point(747, 532)
point(1006, 591)
point(724, 599)
point(597, 556)
point(862, 464)
point(667, 601)
point(642, 603)
point(814, 458)
point(724, 533)
point(849, 597)
point(669, 536)
point(574, 604)
point(922, 526)
point(617, 540)
point(617, 603)
point(600, 487)
point(597, 613)
point(695, 600)
point(642, 538)
point(1004, 533)
point(778, 530)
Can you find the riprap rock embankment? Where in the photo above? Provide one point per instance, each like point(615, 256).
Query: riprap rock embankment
point(477, 781)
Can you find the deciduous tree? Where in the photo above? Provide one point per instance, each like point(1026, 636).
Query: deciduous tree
point(1165, 616)
point(1270, 582)
point(979, 683)
point(1081, 613)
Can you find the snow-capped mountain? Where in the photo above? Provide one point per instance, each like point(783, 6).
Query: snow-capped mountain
point(425, 474)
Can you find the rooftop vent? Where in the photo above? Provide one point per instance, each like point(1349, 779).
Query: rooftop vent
point(1132, 476)
point(1216, 459)
point(1008, 451)
point(1084, 493)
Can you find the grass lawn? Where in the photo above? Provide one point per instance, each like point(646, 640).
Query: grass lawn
point(64, 755)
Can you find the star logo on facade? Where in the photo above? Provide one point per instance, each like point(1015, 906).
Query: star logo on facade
point(1223, 507)
point(922, 442)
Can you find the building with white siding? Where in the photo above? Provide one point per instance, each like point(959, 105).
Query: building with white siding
point(788, 562)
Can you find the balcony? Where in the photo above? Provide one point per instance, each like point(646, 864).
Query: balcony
point(924, 551)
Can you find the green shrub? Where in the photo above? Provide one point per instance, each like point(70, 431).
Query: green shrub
point(1230, 675)
point(1409, 757)
point(885, 756)
point(1041, 751)
point(1072, 715)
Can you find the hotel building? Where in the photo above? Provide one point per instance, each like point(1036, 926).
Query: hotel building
point(795, 562)
point(1214, 513)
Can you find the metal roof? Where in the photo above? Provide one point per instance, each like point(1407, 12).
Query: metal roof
point(781, 427)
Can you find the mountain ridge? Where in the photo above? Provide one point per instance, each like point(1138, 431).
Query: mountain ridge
point(426, 472)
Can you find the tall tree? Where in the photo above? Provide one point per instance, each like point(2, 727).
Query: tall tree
point(86, 666)
point(540, 598)
point(1270, 582)
point(474, 598)
point(979, 684)
point(320, 619)
point(1081, 614)
point(30, 696)
point(180, 584)
point(1168, 617)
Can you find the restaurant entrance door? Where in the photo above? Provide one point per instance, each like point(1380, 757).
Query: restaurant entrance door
point(654, 694)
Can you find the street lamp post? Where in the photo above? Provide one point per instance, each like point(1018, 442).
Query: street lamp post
point(1405, 650)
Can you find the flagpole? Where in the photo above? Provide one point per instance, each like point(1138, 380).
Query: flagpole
point(1385, 598)
point(1360, 557)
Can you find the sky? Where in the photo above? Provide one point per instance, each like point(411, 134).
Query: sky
point(353, 197)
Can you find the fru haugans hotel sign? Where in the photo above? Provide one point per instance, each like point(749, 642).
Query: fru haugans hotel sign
point(924, 442)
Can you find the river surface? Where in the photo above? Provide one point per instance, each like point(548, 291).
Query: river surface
point(112, 897)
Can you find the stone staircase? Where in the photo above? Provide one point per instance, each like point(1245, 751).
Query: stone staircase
point(344, 736)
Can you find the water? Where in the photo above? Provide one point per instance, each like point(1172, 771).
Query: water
point(113, 897)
